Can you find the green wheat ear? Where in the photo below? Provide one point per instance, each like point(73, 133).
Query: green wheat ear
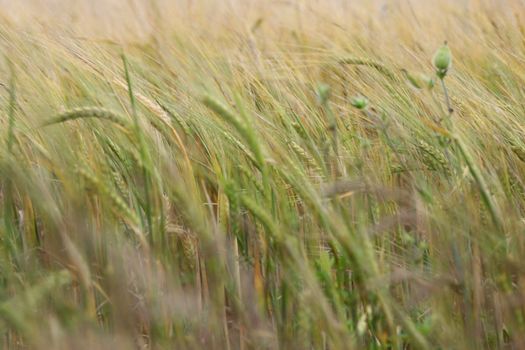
point(433, 158)
point(419, 81)
point(88, 112)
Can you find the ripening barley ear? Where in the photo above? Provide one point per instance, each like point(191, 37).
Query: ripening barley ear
point(442, 60)
point(88, 112)
point(419, 80)
point(323, 94)
point(433, 158)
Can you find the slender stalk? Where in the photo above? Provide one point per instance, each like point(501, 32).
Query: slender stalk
point(450, 110)
point(474, 170)
point(12, 108)
point(143, 151)
point(14, 239)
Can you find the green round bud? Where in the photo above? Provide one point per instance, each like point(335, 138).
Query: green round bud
point(359, 102)
point(442, 60)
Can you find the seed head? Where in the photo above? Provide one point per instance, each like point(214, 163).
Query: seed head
point(359, 102)
point(442, 60)
point(419, 80)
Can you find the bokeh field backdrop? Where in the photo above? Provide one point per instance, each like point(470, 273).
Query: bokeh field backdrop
point(253, 174)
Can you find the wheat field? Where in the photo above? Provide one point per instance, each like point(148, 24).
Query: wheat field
point(260, 174)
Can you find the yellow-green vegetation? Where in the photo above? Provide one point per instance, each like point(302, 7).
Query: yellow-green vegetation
point(262, 175)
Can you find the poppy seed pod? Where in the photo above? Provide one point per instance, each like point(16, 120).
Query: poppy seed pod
point(442, 60)
point(359, 102)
